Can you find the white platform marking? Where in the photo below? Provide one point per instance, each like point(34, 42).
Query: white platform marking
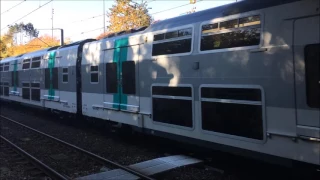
point(148, 168)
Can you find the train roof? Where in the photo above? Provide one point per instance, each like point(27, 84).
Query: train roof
point(77, 43)
point(216, 12)
point(33, 53)
point(8, 59)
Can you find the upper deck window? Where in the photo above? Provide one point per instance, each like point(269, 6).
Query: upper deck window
point(172, 42)
point(238, 32)
point(26, 64)
point(36, 62)
point(6, 66)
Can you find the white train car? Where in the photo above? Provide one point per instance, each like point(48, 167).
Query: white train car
point(242, 78)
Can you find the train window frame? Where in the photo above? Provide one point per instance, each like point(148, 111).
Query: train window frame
point(33, 60)
point(65, 74)
point(94, 72)
point(223, 19)
point(37, 88)
point(5, 84)
point(23, 63)
point(235, 137)
point(163, 31)
point(182, 98)
point(6, 67)
point(26, 85)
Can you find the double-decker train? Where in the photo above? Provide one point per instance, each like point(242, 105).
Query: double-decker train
point(242, 78)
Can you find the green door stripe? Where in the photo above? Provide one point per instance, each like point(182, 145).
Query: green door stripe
point(52, 57)
point(15, 68)
point(120, 55)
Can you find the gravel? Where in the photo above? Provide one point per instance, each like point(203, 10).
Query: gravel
point(61, 158)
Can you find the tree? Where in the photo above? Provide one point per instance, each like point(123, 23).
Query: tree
point(102, 35)
point(126, 15)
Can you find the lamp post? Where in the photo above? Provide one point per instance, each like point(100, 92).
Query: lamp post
point(62, 34)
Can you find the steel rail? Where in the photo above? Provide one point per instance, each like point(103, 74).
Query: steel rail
point(134, 172)
point(46, 169)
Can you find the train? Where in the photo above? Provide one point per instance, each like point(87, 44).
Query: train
point(241, 78)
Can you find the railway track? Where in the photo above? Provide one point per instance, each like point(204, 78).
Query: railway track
point(46, 139)
point(35, 168)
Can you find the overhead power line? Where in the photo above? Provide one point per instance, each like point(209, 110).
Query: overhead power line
point(13, 7)
point(172, 8)
point(43, 42)
point(83, 20)
point(27, 14)
point(91, 30)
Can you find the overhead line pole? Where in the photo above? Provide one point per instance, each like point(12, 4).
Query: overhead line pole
point(62, 34)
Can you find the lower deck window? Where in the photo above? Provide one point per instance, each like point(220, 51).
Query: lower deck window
point(4, 89)
point(233, 116)
point(35, 91)
point(172, 111)
point(25, 90)
point(172, 105)
point(35, 94)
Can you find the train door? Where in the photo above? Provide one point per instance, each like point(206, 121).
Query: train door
point(121, 67)
point(307, 75)
point(51, 77)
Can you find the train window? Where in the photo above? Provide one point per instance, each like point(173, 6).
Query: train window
point(249, 21)
point(4, 88)
point(65, 75)
point(94, 71)
point(129, 77)
point(185, 32)
point(172, 105)
point(1, 67)
point(158, 37)
point(312, 68)
point(172, 47)
point(36, 62)
point(229, 24)
point(26, 90)
point(248, 34)
point(35, 91)
point(172, 91)
point(173, 42)
point(26, 64)
point(1, 89)
point(233, 111)
point(6, 66)
point(173, 34)
point(112, 80)
point(209, 28)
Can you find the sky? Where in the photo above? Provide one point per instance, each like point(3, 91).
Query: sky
point(83, 19)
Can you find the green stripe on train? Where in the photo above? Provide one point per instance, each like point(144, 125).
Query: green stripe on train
point(52, 57)
point(119, 56)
